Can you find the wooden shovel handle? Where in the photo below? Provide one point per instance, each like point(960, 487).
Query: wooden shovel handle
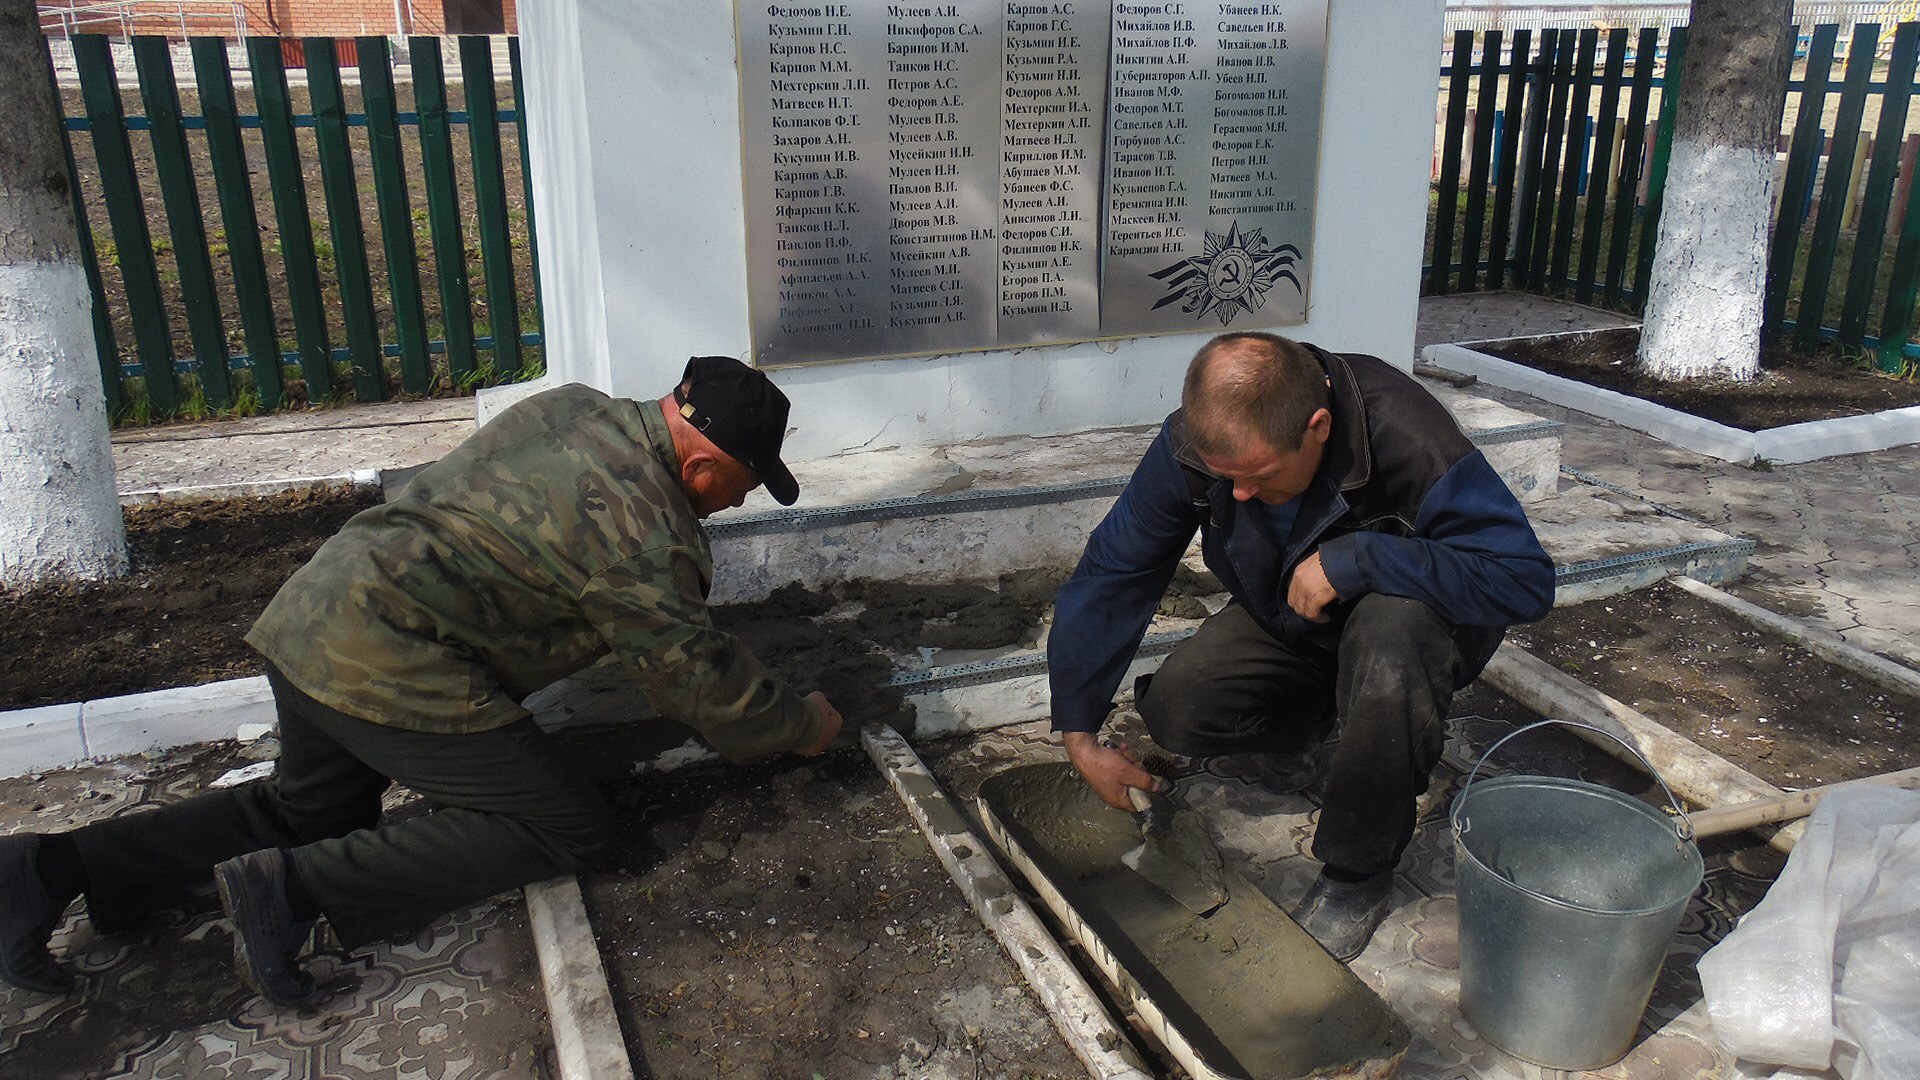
point(1747, 815)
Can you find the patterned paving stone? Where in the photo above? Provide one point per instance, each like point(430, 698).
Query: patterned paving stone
point(462, 1001)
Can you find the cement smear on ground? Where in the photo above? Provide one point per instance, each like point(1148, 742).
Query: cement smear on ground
point(1254, 995)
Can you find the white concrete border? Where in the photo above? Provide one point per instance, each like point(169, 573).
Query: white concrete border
point(358, 479)
point(1788, 445)
point(1823, 643)
point(586, 1028)
point(1077, 1012)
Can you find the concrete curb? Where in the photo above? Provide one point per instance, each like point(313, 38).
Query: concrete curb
point(1695, 774)
point(1077, 1012)
point(358, 479)
point(1822, 643)
point(586, 1028)
point(1788, 445)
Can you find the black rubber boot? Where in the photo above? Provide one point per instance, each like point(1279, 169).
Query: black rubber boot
point(28, 917)
point(266, 937)
point(1342, 915)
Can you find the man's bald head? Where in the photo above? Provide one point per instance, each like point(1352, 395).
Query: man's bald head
point(1250, 389)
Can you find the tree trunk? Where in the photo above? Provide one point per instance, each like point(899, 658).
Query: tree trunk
point(59, 514)
point(1709, 278)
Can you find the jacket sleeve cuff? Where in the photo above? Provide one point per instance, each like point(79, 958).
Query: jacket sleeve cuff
point(1340, 559)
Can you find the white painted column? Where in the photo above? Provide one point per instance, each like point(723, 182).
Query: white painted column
point(59, 517)
point(637, 179)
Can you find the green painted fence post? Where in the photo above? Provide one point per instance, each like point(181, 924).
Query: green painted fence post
point(1484, 107)
point(1531, 160)
point(1896, 323)
point(1448, 198)
point(526, 181)
point(1579, 97)
point(1803, 160)
point(343, 219)
point(127, 214)
point(106, 344)
point(1657, 170)
point(290, 214)
point(396, 215)
point(1591, 234)
point(1538, 268)
point(443, 205)
point(1633, 140)
point(153, 60)
point(1871, 231)
point(235, 191)
point(1833, 190)
point(1501, 232)
point(490, 197)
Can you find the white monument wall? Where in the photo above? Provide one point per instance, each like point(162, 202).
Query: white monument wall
point(634, 113)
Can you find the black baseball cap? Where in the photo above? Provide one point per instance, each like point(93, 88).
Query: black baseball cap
point(743, 413)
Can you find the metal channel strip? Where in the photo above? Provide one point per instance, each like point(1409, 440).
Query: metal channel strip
point(980, 673)
point(1658, 507)
point(1532, 430)
point(1673, 558)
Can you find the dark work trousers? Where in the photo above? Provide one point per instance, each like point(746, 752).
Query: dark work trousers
point(1233, 688)
point(507, 811)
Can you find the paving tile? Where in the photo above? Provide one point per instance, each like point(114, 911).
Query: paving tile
point(1900, 647)
point(461, 1001)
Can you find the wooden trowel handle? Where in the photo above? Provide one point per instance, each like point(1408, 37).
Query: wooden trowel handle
point(1726, 819)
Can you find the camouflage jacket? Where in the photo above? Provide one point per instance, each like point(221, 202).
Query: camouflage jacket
point(556, 533)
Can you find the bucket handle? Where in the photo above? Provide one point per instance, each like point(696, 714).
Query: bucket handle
point(1682, 830)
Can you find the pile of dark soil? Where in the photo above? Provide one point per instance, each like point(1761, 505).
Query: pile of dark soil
point(1769, 706)
point(202, 573)
point(1793, 387)
point(788, 919)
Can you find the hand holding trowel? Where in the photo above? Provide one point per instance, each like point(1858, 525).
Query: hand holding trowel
point(1176, 854)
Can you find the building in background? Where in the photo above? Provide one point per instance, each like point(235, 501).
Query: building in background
point(276, 18)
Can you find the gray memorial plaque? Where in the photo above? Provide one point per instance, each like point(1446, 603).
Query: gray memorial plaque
point(1213, 147)
point(926, 178)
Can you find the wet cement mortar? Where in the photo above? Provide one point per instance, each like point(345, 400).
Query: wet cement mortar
point(1253, 994)
point(1792, 718)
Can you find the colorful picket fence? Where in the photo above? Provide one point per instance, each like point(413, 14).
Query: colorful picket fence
point(253, 280)
point(1552, 158)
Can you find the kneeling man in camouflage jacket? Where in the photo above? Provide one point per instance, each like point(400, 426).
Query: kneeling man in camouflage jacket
point(566, 529)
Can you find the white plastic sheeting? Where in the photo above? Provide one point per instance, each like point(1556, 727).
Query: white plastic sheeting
point(1825, 973)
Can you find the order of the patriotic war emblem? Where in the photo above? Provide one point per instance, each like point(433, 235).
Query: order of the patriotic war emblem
point(1232, 274)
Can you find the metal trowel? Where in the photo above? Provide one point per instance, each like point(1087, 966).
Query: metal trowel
point(1176, 854)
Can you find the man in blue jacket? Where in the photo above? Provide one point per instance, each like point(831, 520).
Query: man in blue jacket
point(1375, 560)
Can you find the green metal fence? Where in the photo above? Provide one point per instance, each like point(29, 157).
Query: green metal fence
point(280, 296)
point(1552, 162)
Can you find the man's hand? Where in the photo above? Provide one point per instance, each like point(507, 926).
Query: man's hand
point(827, 730)
point(1310, 592)
point(1109, 770)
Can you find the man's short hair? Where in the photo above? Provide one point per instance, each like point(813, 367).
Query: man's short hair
point(1252, 386)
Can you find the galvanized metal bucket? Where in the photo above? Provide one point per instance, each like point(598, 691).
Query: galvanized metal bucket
point(1570, 894)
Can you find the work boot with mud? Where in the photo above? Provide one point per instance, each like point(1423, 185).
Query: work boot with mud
point(28, 916)
point(1342, 915)
point(267, 938)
